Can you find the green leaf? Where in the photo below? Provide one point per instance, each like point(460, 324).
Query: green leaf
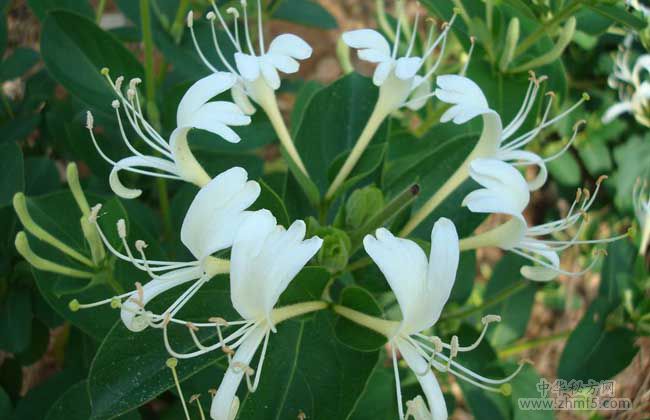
point(41, 176)
point(38, 400)
point(352, 334)
point(592, 342)
point(515, 311)
point(306, 286)
point(12, 178)
point(38, 344)
point(19, 128)
point(618, 271)
point(271, 201)
point(42, 7)
point(332, 123)
point(618, 15)
point(565, 170)
point(464, 277)
point(305, 12)
point(75, 50)
point(75, 405)
point(16, 320)
point(524, 386)
point(18, 63)
point(5, 404)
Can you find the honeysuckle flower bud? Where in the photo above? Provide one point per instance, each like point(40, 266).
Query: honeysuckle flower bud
point(177, 161)
point(209, 226)
point(422, 287)
point(256, 72)
point(530, 241)
point(398, 80)
point(641, 201)
point(265, 258)
point(496, 142)
point(633, 92)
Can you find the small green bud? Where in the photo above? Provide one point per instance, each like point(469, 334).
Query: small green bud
point(362, 205)
point(116, 303)
point(171, 363)
point(336, 248)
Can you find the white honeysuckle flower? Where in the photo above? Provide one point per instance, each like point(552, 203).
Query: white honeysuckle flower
point(398, 81)
point(641, 202)
point(417, 409)
point(256, 71)
point(397, 77)
point(531, 242)
point(633, 92)
point(468, 101)
point(505, 189)
point(265, 258)
point(422, 288)
point(210, 226)
point(177, 161)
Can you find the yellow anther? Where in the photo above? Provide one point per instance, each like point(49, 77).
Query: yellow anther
point(74, 305)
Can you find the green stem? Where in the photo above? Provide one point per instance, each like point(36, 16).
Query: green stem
point(521, 346)
point(178, 25)
point(547, 27)
point(163, 200)
point(100, 11)
point(498, 298)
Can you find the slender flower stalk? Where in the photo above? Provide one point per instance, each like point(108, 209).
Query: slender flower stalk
point(538, 244)
point(397, 78)
point(496, 142)
point(633, 91)
point(209, 226)
point(641, 201)
point(177, 161)
point(422, 287)
point(256, 72)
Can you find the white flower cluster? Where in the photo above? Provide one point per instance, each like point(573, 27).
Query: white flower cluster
point(265, 257)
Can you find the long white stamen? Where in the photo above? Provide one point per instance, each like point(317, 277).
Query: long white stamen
point(567, 145)
point(516, 124)
point(235, 14)
point(530, 136)
point(246, 30)
point(413, 35)
point(584, 98)
point(134, 100)
point(166, 265)
point(398, 32)
point(190, 21)
point(260, 29)
point(508, 130)
point(420, 98)
point(472, 41)
point(234, 41)
point(398, 386)
point(260, 364)
point(218, 47)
